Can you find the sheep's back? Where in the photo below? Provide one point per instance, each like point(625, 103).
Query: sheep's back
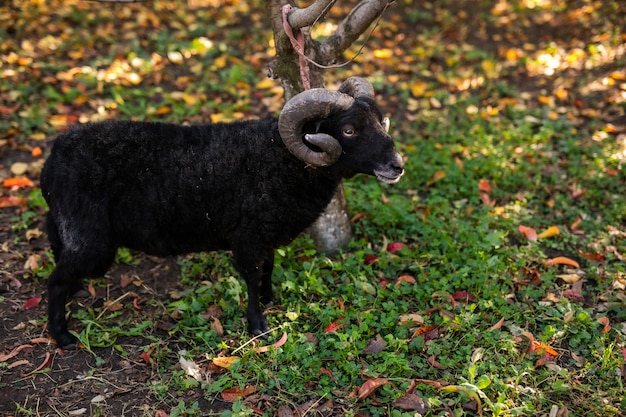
point(167, 189)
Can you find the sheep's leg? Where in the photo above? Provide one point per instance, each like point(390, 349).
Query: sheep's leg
point(267, 295)
point(254, 272)
point(60, 283)
point(66, 278)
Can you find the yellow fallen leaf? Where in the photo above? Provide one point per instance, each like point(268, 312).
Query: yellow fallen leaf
point(418, 88)
point(549, 232)
point(569, 278)
point(226, 361)
point(266, 84)
point(383, 53)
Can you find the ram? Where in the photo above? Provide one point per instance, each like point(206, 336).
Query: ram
point(248, 187)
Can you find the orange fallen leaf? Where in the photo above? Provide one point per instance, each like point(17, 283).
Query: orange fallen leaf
point(369, 386)
point(540, 346)
point(17, 182)
point(36, 151)
point(45, 364)
point(498, 325)
point(607, 326)
point(278, 344)
point(562, 260)
point(38, 340)
point(409, 279)
point(12, 201)
point(438, 175)
point(484, 185)
point(596, 257)
point(14, 352)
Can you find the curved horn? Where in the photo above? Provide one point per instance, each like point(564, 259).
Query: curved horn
point(357, 87)
point(307, 106)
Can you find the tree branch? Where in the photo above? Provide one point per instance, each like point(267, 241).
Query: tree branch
point(299, 18)
point(353, 26)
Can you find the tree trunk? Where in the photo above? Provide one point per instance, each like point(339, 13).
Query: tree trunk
point(333, 230)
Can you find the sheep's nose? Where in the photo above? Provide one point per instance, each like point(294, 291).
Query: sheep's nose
point(398, 163)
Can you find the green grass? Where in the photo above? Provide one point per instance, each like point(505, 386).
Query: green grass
point(460, 304)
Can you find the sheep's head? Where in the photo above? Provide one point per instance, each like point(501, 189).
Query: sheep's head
point(320, 126)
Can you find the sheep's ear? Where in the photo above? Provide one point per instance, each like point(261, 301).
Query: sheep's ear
point(386, 123)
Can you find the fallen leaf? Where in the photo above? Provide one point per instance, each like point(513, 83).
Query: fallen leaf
point(569, 278)
point(14, 352)
point(36, 152)
point(484, 185)
point(562, 260)
point(32, 302)
point(236, 394)
point(411, 318)
point(409, 279)
point(12, 201)
point(334, 326)
point(437, 176)
point(369, 386)
point(328, 372)
point(17, 182)
point(278, 344)
point(375, 345)
point(498, 325)
point(551, 231)
point(46, 363)
point(226, 361)
point(605, 321)
point(463, 295)
point(395, 247)
point(190, 368)
point(412, 402)
point(529, 232)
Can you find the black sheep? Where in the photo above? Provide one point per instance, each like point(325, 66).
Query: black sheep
point(248, 187)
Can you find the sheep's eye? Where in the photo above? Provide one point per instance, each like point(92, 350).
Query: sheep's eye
point(348, 131)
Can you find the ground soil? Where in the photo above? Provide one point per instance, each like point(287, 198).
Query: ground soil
point(52, 381)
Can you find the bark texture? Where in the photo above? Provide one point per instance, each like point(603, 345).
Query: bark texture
point(333, 230)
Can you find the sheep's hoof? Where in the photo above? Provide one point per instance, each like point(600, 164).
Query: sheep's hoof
point(66, 341)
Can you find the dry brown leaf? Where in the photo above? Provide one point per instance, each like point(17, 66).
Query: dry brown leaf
point(369, 386)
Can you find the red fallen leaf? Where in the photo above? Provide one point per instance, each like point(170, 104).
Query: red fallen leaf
point(544, 360)
point(235, 394)
point(484, 185)
point(161, 413)
point(529, 232)
point(369, 386)
point(136, 305)
point(335, 325)
point(328, 372)
point(605, 321)
point(432, 361)
point(370, 259)
point(46, 363)
point(463, 295)
point(33, 302)
point(395, 247)
point(17, 182)
point(146, 355)
point(573, 295)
